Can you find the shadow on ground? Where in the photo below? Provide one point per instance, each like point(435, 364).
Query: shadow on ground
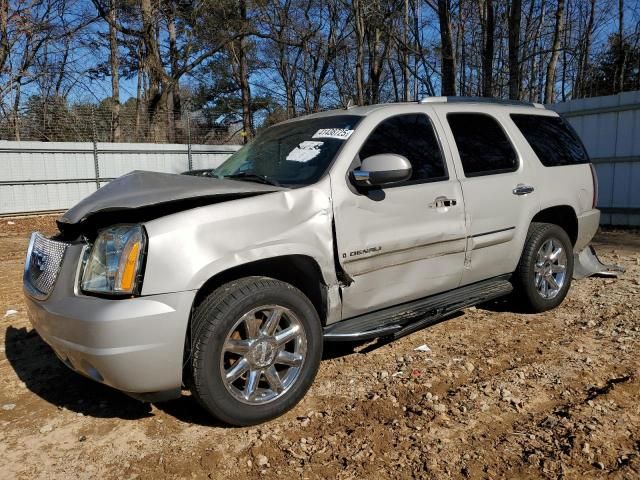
point(45, 375)
point(510, 303)
point(342, 349)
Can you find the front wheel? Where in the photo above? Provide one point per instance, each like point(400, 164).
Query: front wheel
point(543, 276)
point(257, 348)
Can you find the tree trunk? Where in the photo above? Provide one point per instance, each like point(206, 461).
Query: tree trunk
point(358, 17)
point(488, 27)
point(175, 110)
point(406, 93)
point(63, 67)
point(4, 37)
point(243, 70)
point(139, 91)
point(555, 53)
point(27, 54)
point(417, 13)
point(566, 34)
point(583, 61)
point(515, 14)
point(157, 104)
point(461, 51)
point(114, 63)
point(448, 57)
point(394, 80)
point(620, 64)
point(16, 112)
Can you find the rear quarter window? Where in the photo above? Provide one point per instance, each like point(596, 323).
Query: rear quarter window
point(552, 139)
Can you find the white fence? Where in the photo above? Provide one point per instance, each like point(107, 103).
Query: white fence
point(40, 176)
point(610, 129)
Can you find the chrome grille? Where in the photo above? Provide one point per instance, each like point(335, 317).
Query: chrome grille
point(42, 264)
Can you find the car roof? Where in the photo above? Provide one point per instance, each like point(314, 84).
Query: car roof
point(434, 102)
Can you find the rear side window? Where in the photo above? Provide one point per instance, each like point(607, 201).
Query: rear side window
point(483, 146)
point(556, 144)
point(413, 137)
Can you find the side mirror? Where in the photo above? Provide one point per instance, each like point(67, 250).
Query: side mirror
point(382, 169)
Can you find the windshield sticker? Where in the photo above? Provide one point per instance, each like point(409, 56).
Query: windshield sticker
point(339, 133)
point(305, 152)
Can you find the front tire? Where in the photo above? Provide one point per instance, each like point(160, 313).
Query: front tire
point(257, 345)
point(544, 273)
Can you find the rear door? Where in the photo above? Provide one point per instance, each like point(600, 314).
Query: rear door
point(499, 188)
point(405, 241)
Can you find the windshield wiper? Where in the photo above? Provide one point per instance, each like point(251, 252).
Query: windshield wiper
point(253, 177)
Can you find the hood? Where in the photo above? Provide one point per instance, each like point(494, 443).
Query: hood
point(163, 192)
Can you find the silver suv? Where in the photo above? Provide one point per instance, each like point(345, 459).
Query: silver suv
point(340, 226)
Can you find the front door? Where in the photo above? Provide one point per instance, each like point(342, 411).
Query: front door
point(406, 241)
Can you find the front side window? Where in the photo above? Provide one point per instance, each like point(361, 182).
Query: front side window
point(483, 146)
point(554, 141)
point(413, 137)
point(291, 154)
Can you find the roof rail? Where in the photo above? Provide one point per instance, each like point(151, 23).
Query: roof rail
point(480, 100)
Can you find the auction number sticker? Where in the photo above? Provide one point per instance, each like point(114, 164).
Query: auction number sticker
point(339, 133)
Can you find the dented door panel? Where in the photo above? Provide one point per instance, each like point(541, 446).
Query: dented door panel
point(397, 243)
point(398, 249)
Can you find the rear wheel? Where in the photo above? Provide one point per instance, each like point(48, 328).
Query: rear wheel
point(543, 276)
point(257, 348)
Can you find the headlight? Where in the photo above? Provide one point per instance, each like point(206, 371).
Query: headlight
point(115, 262)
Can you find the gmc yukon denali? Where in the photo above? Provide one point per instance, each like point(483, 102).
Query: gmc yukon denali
point(346, 225)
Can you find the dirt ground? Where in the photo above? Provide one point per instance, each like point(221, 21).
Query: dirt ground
point(500, 395)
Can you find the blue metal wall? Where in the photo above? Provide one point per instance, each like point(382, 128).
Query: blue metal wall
point(610, 129)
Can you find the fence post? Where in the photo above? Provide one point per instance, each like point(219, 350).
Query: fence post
point(94, 137)
point(189, 157)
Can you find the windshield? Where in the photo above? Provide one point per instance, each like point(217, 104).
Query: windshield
point(290, 154)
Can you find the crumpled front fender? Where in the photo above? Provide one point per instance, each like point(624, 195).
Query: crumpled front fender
point(188, 248)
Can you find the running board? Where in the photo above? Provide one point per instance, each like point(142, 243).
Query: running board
point(403, 319)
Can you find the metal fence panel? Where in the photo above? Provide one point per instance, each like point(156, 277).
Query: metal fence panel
point(43, 176)
point(610, 129)
point(41, 161)
point(42, 197)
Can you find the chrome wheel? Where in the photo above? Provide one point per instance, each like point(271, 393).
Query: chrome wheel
point(550, 268)
point(263, 354)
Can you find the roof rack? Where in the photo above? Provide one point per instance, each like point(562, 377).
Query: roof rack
point(480, 100)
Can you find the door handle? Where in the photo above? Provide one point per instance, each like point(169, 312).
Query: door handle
point(522, 189)
point(440, 202)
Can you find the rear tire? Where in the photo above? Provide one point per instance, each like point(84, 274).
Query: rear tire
point(257, 345)
point(544, 273)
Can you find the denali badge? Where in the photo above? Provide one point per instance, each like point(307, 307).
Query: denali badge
point(355, 253)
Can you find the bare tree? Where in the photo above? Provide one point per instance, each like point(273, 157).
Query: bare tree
point(359, 21)
point(239, 54)
point(4, 35)
point(555, 53)
point(115, 65)
point(487, 22)
point(443, 9)
point(622, 57)
point(515, 15)
point(584, 50)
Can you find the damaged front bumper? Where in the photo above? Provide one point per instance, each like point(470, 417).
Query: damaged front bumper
point(135, 345)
